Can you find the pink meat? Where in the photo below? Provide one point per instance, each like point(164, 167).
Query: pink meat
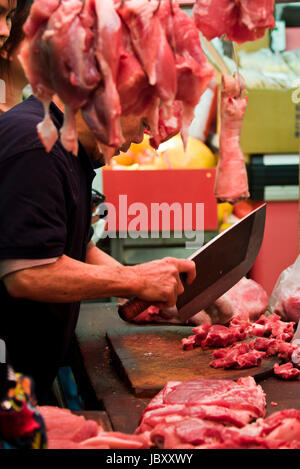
point(75, 59)
point(193, 69)
point(288, 306)
point(117, 440)
point(231, 183)
point(219, 336)
point(102, 112)
point(240, 356)
point(286, 371)
point(244, 394)
point(239, 20)
point(35, 61)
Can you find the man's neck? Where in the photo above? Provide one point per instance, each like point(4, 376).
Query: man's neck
point(13, 93)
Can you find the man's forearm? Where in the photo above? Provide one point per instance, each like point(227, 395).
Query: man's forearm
point(96, 256)
point(68, 280)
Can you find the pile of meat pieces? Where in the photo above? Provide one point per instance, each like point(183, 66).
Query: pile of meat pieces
point(239, 20)
point(66, 430)
point(216, 414)
point(114, 60)
point(272, 338)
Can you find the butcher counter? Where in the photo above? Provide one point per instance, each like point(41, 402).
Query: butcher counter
point(103, 387)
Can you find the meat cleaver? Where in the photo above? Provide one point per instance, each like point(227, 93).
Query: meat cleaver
point(220, 264)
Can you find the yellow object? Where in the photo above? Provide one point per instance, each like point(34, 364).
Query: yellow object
point(224, 227)
point(124, 159)
point(224, 211)
point(196, 156)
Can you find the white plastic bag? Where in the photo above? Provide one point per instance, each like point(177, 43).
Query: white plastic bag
point(285, 298)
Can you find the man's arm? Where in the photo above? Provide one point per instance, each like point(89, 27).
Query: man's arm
point(68, 280)
point(96, 256)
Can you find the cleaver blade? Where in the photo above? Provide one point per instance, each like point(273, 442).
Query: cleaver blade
point(220, 264)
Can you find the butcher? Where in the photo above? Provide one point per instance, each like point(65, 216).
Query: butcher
point(48, 263)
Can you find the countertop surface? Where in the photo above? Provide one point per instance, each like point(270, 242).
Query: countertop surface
point(113, 394)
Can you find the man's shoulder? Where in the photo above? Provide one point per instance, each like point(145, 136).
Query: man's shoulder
point(18, 128)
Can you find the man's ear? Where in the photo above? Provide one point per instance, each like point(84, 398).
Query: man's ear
point(3, 53)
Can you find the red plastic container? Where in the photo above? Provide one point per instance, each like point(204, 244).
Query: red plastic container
point(126, 188)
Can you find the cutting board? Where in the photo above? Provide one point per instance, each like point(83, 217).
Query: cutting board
point(149, 356)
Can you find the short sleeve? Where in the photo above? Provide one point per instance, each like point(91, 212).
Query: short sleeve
point(33, 210)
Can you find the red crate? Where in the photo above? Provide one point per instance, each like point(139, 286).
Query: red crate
point(187, 186)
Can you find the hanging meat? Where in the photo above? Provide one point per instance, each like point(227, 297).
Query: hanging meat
point(231, 176)
point(239, 20)
point(111, 59)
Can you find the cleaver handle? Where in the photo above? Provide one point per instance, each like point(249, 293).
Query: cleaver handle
point(132, 308)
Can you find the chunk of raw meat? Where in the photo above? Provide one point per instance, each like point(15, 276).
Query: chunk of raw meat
point(69, 431)
point(239, 20)
point(35, 64)
point(243, 395)
point(288, 306)
point(117, 440)
point(74, 58)
point(286, 371)
point(194, 72)
point(231, 183)
point(247, 299)
point(239, 357)
point(218, 336)
point(102, 112)
point(274, 327)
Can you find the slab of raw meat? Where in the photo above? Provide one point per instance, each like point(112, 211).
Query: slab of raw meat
point(247, 299)
point(286, 371)
point(69, 431)
point(194, 72)
point(103, 110)
point(280, 430)
point(231, 183)
point(241, 395)
point(239, 20)
point(75, 59)
point(288, 306)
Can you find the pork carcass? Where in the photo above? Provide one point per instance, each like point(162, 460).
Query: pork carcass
point(231, 183)
point(113, 61)
point(239, 20)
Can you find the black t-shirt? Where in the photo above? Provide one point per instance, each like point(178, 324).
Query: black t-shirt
point(45, 211)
